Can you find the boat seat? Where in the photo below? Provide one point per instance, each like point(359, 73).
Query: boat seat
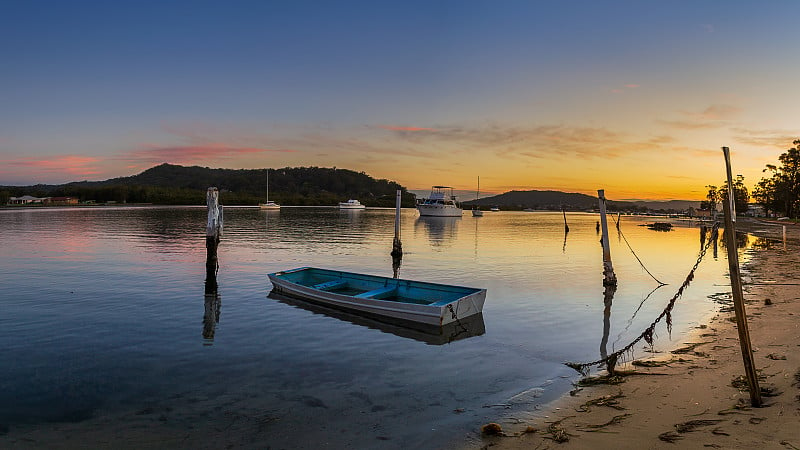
point(376, 292)
point(333, 284)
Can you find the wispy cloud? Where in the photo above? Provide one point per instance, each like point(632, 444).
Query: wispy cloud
point(404, 128)
point(625, 87)
point(546, 141)
point(714, 116)
point(192, 154)
point(770, 139)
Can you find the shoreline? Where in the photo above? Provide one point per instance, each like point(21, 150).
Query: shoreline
point(688, 398)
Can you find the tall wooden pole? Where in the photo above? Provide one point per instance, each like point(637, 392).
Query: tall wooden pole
point(397, 246)
point(729, 209)
point(213, 233)
point(609, 278)
point(564, 212)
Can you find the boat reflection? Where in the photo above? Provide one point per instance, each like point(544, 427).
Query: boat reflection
point(431, 335)
point(440, 230)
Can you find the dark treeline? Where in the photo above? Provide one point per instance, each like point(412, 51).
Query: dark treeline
point(169, 184)
point(780, 193)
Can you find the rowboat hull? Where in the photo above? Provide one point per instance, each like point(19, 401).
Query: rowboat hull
point(429, 334)
point(398, 300)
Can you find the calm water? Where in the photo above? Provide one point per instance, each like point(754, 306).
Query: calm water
point(104, 314)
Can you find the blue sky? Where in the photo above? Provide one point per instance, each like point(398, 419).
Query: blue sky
point(635, 97)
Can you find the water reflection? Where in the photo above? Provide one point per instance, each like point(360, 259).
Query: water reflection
point(441, 231)
point(212, 303)
point(608, 299)
point(432, 335)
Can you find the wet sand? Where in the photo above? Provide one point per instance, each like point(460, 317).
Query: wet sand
point(695, 400)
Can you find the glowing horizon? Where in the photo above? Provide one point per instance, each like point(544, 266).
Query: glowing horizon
point(618, 100)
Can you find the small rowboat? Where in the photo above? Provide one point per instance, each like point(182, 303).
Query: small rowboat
point(393, 299)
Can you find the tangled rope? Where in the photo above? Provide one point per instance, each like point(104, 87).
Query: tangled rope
point(634, 253)
point(649, 332)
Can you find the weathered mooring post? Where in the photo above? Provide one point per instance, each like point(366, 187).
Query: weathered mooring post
point(729, 210)
point(213, 233)
point(564, 212)
point(213, 228)
point(784, 237)
point(609, 278)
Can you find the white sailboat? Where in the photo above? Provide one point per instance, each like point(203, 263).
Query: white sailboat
point(269, 204)
point(476, 212)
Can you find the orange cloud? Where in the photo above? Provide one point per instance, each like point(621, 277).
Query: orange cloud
point(632, 86)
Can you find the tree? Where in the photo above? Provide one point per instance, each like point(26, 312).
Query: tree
point(712, 199)
point(781, 192)
point(741, 197)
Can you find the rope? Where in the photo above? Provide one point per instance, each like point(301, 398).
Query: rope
point(649, 332)
point(635, 255)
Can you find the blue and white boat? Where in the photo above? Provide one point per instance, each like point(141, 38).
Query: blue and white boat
point(404, 301)
point(440, 203)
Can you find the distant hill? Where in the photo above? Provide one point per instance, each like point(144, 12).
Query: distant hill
point(179, 185)
point(555, 200)
point(174, 184)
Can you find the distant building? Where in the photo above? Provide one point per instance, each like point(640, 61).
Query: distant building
point(755, 210)
point(61, 201)
point(26, 200)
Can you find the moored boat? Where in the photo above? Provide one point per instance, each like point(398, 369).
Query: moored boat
point(269, 204)
point(351, 204)
point(440, 203)
point(384, 298)
point(476, 210)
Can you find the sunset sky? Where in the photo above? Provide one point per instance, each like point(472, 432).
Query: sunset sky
point(635, 97)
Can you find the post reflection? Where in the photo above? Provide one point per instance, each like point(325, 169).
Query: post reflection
point(608, 299)
point(212, 305)
point(397, 261)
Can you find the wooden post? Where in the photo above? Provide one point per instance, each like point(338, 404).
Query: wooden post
point(213, 232)
point(397, 246)
point(609, 278)
point(564, 212)
point(729, 210)
point(619, 217)
point(784, 237)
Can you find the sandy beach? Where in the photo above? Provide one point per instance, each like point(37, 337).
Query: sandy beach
point(694, 395)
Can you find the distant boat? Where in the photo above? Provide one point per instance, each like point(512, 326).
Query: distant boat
point(351, 204)
point(476, 211)
point(440, 203)
point(660, 226)
point(494, 208)
point(393, 299)
point(269, 203)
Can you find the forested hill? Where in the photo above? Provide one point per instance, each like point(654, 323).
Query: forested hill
point(174, 184)
point(555, 200)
